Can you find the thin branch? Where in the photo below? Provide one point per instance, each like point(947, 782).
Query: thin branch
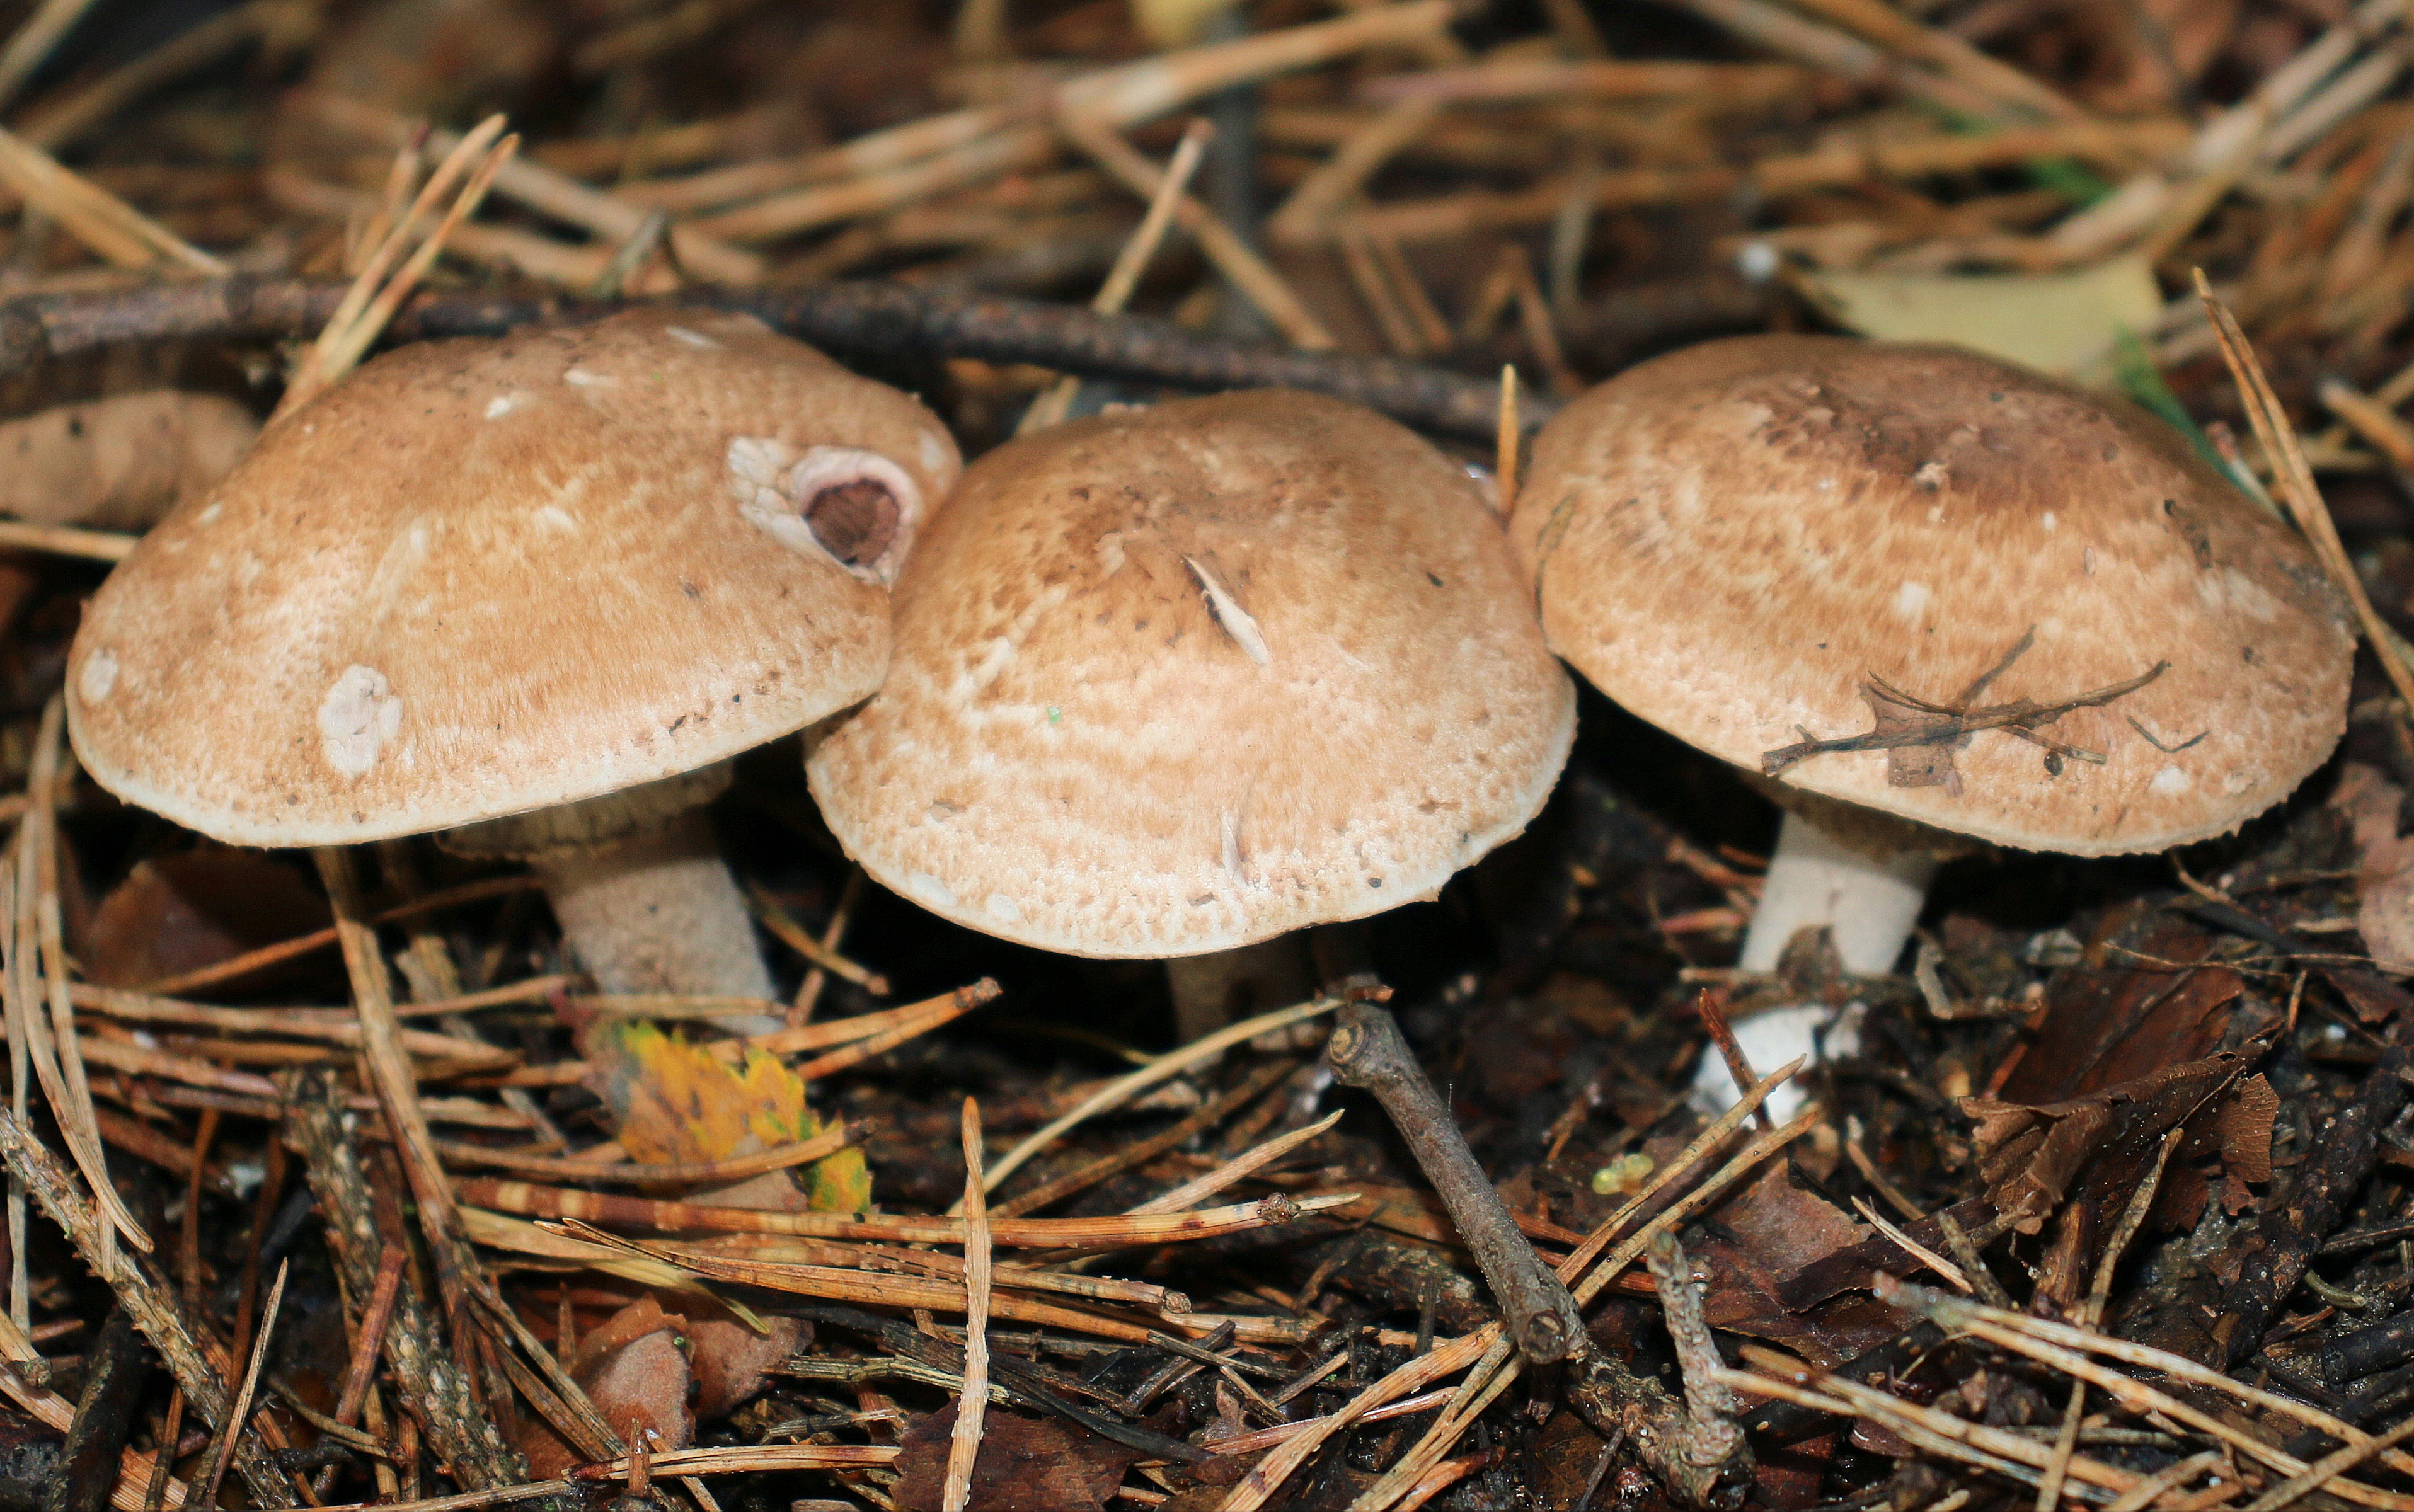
point(858, 316)
point(433, 1387)
point(1366, 1050)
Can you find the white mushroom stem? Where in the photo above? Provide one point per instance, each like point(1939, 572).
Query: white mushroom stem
point(1868, 904)
point(659, 912)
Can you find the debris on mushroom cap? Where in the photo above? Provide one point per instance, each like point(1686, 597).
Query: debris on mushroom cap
point(1771, 540)
point(1177, 679)
point(483, 576)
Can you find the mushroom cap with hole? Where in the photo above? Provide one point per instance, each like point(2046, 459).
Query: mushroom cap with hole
point(1731, 540)
point(482, 576)
point(1169, 681)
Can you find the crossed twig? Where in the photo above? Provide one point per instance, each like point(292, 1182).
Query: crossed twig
point(1944, 724)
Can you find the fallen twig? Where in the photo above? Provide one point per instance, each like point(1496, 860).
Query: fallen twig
point(848, 317)
point(1366, 1051)
point(1239, 1168)
point(633, 1173)
point(111, 227)
point(2306, 506)
point(1125, 1156)
point(141, 1484)
point(714, 1462)
point(2005, 1453)
point(1018, 1377)
point(433, 1386)
point(1623, 1405)
point(146, 1298)
point(221, 1449)
point(116, 1369)
point(866, 1035)
point(382, 287)
point(2059, 1345)
point(69, 541)
point(54, 1045)
point(284, 950)
point(368, 1346)
point(1123, 279)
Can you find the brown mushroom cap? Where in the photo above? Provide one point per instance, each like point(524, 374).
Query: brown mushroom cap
point(1169, 681)
point(478, 577)
point(1729, 540)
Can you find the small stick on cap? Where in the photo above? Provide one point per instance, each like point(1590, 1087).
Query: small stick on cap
point(1366, 1051)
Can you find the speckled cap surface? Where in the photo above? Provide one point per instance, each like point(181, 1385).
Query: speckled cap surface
point(1172, 680)
point(1731, 540)
point(482, 576)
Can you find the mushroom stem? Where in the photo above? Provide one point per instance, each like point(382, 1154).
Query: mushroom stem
point(1208, 989)
point(1867, 903)
point(659, 912)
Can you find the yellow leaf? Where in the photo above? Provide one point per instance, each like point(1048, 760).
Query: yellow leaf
point(2062, 323)
point(840, 1183)
point(1175, 23)
point(674, 1102)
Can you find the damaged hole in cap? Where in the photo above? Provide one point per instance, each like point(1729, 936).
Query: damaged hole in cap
point(843, 504)
point(855, 520)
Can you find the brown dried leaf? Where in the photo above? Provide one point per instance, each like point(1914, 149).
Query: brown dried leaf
point(1025, 1465)
point(2179, 1202)
point(1759, 1247)
point(1563, 1463)
point(2384, 913)
point(1849, 1268)
point(728, 1359)
point(668, 1365)
point(1788, 1227)
point(1911, 766)
point(2033, 1156)
point(634, 1367)
point(178, 914)
point(2107, 1026)
point(2246, 1129)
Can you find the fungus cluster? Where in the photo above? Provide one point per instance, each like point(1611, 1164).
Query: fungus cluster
point(1171, 683)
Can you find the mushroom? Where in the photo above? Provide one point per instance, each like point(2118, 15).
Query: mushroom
point(119, 462)
point(1769, 541)
point(1174, 680)
point(534, 591)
